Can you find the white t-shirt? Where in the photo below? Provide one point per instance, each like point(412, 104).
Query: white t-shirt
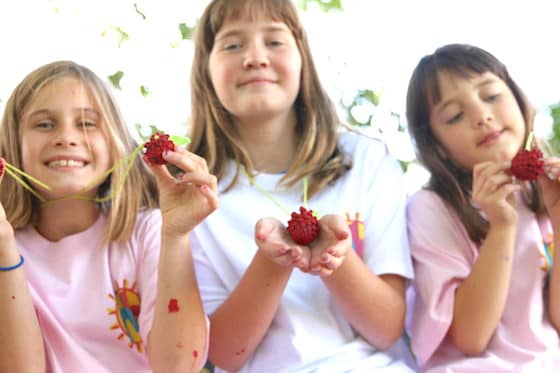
point(309, 332)
point(94, 302)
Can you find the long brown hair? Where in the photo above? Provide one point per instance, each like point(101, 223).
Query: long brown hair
point(213, 132)
point(139, 189)
point(450, 181)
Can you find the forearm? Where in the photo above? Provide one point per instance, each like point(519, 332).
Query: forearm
point(178, 336)
point(481, 298)
point(374, 306)
point(241, 322)
point(22, 342)
point(554, 286)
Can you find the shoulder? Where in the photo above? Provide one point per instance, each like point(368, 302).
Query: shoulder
point(426, 205)
point(353, 141)
point(147, 220)
point(368, 154)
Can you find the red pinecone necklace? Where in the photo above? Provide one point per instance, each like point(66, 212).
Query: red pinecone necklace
point(303, 227)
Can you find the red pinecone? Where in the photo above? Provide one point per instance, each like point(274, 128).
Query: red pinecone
point(527, 164)
point(154, 148)
point(303, 227)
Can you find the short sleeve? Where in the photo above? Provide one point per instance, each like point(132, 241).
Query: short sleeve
point(442, 255)
point(386, 231)
point(210, 283)
point(148, 240)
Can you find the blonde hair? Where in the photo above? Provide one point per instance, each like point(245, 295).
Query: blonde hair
point(139, 189)
point(213, 134)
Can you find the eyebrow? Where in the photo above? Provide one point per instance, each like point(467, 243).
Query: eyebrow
point(483, 83)
point(85, 110)
point(235, 31)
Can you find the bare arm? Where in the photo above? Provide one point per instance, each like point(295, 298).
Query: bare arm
point(178, 337)
point(241, 322)
point(374, 305)
point(550, 187)
point(480, 299)
point(22, 342)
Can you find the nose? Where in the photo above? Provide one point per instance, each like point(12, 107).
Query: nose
point(66, 136)
point(256, 57)
point(483, 117)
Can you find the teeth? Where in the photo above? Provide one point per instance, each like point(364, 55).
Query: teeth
point(66, 163)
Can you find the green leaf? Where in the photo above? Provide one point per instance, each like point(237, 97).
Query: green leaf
point(186, 31)
point(324, 5)
point(180, 140)
point(123, 36)
point(115, 79)
point(144, 91)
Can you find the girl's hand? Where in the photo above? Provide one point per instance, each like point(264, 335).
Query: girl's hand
point(7, 235)
point(187, 200)
point(329, 249)
point(549, 183)
point(273, 240)
point(494, 191)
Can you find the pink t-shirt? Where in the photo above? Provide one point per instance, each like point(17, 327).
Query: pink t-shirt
point(94, 302)
point(443, 254)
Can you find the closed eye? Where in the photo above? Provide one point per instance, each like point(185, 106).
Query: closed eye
point(456, 118)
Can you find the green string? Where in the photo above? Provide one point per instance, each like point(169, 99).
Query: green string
point(270, 197)
point(128, 161)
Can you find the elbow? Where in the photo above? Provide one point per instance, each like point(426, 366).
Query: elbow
point(389, 337)
point(470, 344)
point(229, 365)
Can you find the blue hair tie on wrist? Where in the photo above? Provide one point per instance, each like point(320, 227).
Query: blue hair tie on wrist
point(14, 266)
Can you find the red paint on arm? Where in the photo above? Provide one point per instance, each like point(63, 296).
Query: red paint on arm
point(173, 305)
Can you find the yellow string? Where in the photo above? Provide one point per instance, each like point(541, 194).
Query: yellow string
point(23, 183)
point(15, 169)
point(129, 161)
point(270, 197)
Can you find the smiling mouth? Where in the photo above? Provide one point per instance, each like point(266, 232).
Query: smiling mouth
point(65, 163)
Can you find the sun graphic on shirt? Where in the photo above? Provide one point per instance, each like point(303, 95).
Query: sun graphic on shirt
point(126, 311)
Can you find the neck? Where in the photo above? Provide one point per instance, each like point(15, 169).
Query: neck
point(271, 143)
point(67, 217)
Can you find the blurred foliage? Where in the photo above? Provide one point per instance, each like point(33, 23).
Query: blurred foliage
point(324, 5)
point(139, 12)
point(115, 79)
point(554, 139)
point(364, 102)
point(122, 36)
point(186, 31)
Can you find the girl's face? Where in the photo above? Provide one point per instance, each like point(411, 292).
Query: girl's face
point(62, 139)
point(477, 119)
point(255, 68)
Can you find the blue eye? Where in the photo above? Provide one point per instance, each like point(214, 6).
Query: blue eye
point(45, 125)
point(86, 124)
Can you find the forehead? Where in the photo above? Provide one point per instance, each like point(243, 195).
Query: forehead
point(447, 82)
point(62, 90)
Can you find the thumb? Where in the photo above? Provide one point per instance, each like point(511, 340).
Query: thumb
point(263, 228)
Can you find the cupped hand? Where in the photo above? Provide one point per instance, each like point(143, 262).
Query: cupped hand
point(494, 191)
point(273, 240)
point(187, 200)
point(329, 249)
